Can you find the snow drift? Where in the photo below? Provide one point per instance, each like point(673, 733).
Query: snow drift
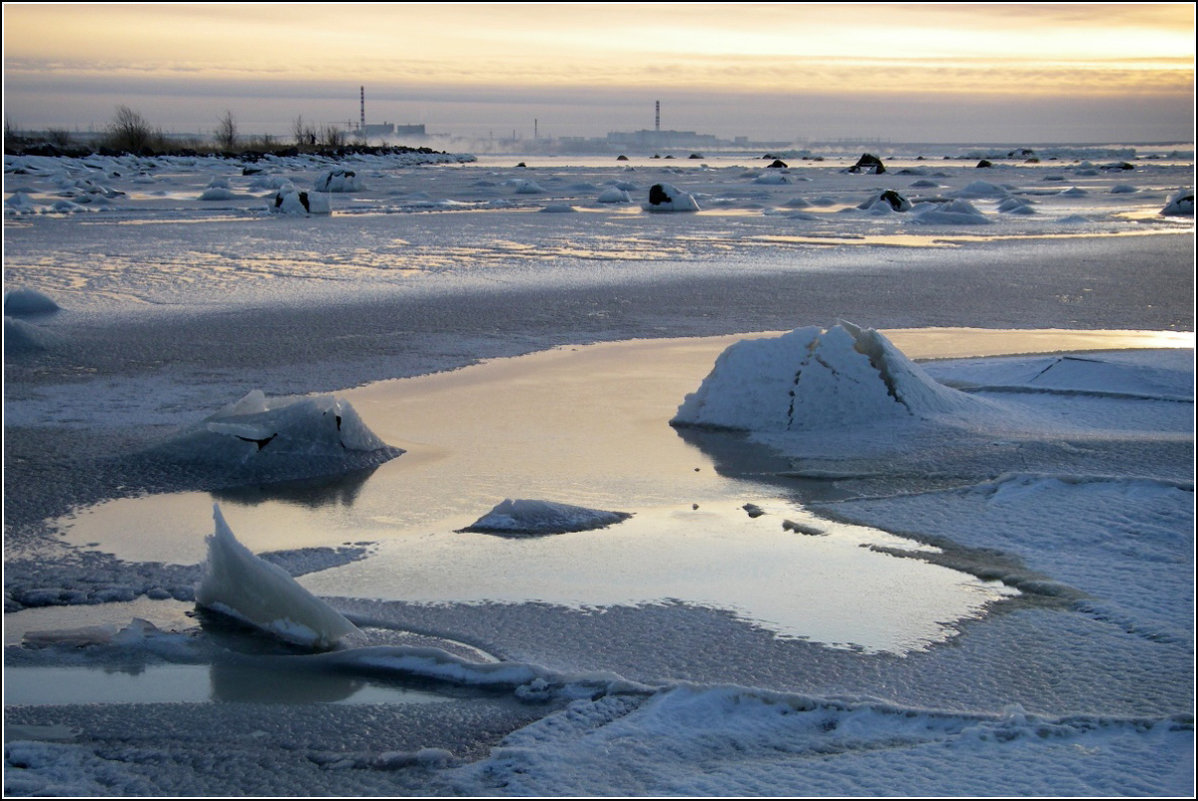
point(542, 517)
point(812, 379)
point(239, 584)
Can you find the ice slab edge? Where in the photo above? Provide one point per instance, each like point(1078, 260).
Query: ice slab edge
point(239, 584)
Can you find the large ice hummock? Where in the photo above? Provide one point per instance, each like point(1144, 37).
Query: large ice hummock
point(239, 584)
point(811, 379)
point(285, 437)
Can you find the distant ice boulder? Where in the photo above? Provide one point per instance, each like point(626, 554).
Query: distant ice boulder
point(338, 180)
point(869, 164)
point(1181, 204)
point(240, 585)
point(276, 439)
point(524, 187)
point(771, 178)
point(27, 301)
point(218, 193)
point(667, 197)
point(957, 212)
point(981, 189)
point(289, 200)
point(1016, 205)
point(811, 379)
point(529, 517)
point(1123, 189)
point(559, 208)
point(20, 203)
point(614, 194)
point(889, 200)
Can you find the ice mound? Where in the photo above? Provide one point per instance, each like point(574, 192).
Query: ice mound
point(958, 212)
point(22, 337)
point(811, 379)
point(888, 200)
point(981, 189)
point(1181, 204)
point(218, 193)
point(338, 180)
point(613, 194)
point(526, 517)
point(524, 187)
point(238, 584)
point(280, 438)
point(289, 200)
point(28, 301)
point(667, 197)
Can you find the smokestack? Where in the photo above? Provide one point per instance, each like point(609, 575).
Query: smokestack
point(362, 127)
point(657, 117)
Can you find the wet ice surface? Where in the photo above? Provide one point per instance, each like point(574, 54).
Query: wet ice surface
point(756, 645)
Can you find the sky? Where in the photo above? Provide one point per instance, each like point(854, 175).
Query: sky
point(1019, 73)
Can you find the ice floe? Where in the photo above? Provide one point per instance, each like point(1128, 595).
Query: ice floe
point(533, 517)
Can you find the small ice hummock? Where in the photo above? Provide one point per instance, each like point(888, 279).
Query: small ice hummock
point(613, 194)
point(1181, 204)
point(288, 436)
point(810, 379)
point(22, 300)
point(338, 180)
point(238, 584)
point(289, 200)
point(667, 197)
point(530, 517)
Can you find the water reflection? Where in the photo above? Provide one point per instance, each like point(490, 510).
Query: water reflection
point(341, 490)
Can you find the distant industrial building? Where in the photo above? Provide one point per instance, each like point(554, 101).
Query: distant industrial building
point(365, 131)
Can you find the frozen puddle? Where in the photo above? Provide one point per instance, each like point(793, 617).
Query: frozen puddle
point(584, 426)
point(214, 683)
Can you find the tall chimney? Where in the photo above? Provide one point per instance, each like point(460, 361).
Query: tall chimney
point(362, 126)
point(657, 117)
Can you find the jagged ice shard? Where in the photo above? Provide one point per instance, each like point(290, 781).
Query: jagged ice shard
point(239, 584)
point(811, 379)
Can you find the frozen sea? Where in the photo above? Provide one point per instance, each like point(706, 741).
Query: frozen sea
point(595, 522)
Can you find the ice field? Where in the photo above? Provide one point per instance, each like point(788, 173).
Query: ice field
point(436, 475)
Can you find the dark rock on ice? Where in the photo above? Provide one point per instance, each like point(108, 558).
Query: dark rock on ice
point(983, 164)
point(778, 164)
point(869, 164)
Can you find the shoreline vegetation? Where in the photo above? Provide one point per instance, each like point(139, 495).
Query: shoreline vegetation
point(130, 134)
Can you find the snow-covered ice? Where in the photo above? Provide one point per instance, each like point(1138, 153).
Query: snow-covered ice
point(523, 517)
point(260, 438)
point(865, 560)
